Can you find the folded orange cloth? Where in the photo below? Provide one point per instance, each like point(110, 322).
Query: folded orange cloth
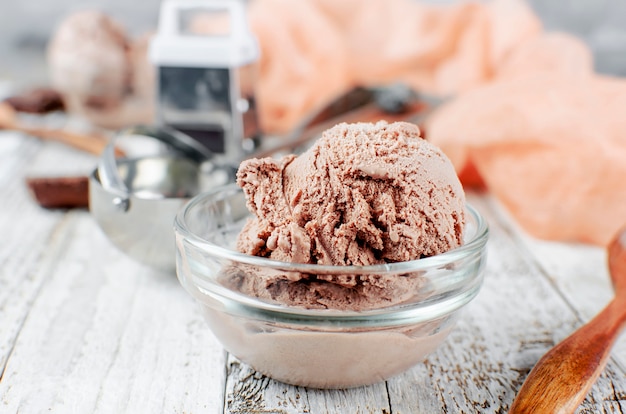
point(314, 50)
point(551, 148)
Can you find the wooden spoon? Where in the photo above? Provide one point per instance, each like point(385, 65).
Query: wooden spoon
point(91, 143)
point(562, 377)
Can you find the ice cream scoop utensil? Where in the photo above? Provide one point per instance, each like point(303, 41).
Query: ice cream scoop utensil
point(108, 173)
point(396, 102)
point(134, 200)
point(90, 143)
point(561, 379)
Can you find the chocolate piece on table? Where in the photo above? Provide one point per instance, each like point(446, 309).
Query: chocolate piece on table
point(60, 192)
point(37, 101)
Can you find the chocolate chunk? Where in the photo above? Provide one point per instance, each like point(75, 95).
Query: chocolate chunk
point(37, 101)
point(60, 192)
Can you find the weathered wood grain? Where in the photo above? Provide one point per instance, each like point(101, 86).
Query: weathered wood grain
point(108, 335)
point(85, 329)
point(25, 233)
point(578, 271)
point(250, 392)
point(516, 318)
point(486, 358)
point(579, 275)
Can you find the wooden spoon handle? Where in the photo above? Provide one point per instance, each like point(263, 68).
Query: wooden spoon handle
point(93, 144)
point(561, 379)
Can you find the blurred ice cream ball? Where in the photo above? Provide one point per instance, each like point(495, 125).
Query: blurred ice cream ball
point(89, 59)
point(101, 73)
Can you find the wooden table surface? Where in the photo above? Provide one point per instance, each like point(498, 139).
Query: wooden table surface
point(84, 329)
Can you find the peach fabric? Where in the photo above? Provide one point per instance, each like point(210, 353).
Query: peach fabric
point(314, 50)
point(551, 148)
point(527, 117)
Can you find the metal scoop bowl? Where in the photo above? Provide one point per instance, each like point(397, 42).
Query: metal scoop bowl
point(135, 200)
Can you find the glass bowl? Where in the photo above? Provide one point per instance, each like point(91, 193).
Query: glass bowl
point(321, 348)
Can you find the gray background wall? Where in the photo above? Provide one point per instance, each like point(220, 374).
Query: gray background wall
point(25, 26)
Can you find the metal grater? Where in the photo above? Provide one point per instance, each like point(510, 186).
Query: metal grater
point(205, 82)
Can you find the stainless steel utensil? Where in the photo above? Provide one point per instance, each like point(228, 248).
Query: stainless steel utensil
point(135, 200)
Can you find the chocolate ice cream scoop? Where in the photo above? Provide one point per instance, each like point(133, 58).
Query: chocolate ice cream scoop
point(363, 194)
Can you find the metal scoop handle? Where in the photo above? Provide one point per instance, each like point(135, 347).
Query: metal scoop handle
point(107, 166)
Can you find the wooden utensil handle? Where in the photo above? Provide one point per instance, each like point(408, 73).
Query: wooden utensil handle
point(93, 144)
point(561, 379)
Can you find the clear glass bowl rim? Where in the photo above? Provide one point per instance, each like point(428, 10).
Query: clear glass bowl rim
point(246, 306)
point(471, 246)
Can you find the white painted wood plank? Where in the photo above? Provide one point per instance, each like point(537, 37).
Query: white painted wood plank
point(517, 316)
point(248, 391)
point(579, 272)
point(372, 399)
point(82, 327)
point(85, 329)
point(610, 389)
point(26, 229)
point(486, 358)
point(108, 335)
